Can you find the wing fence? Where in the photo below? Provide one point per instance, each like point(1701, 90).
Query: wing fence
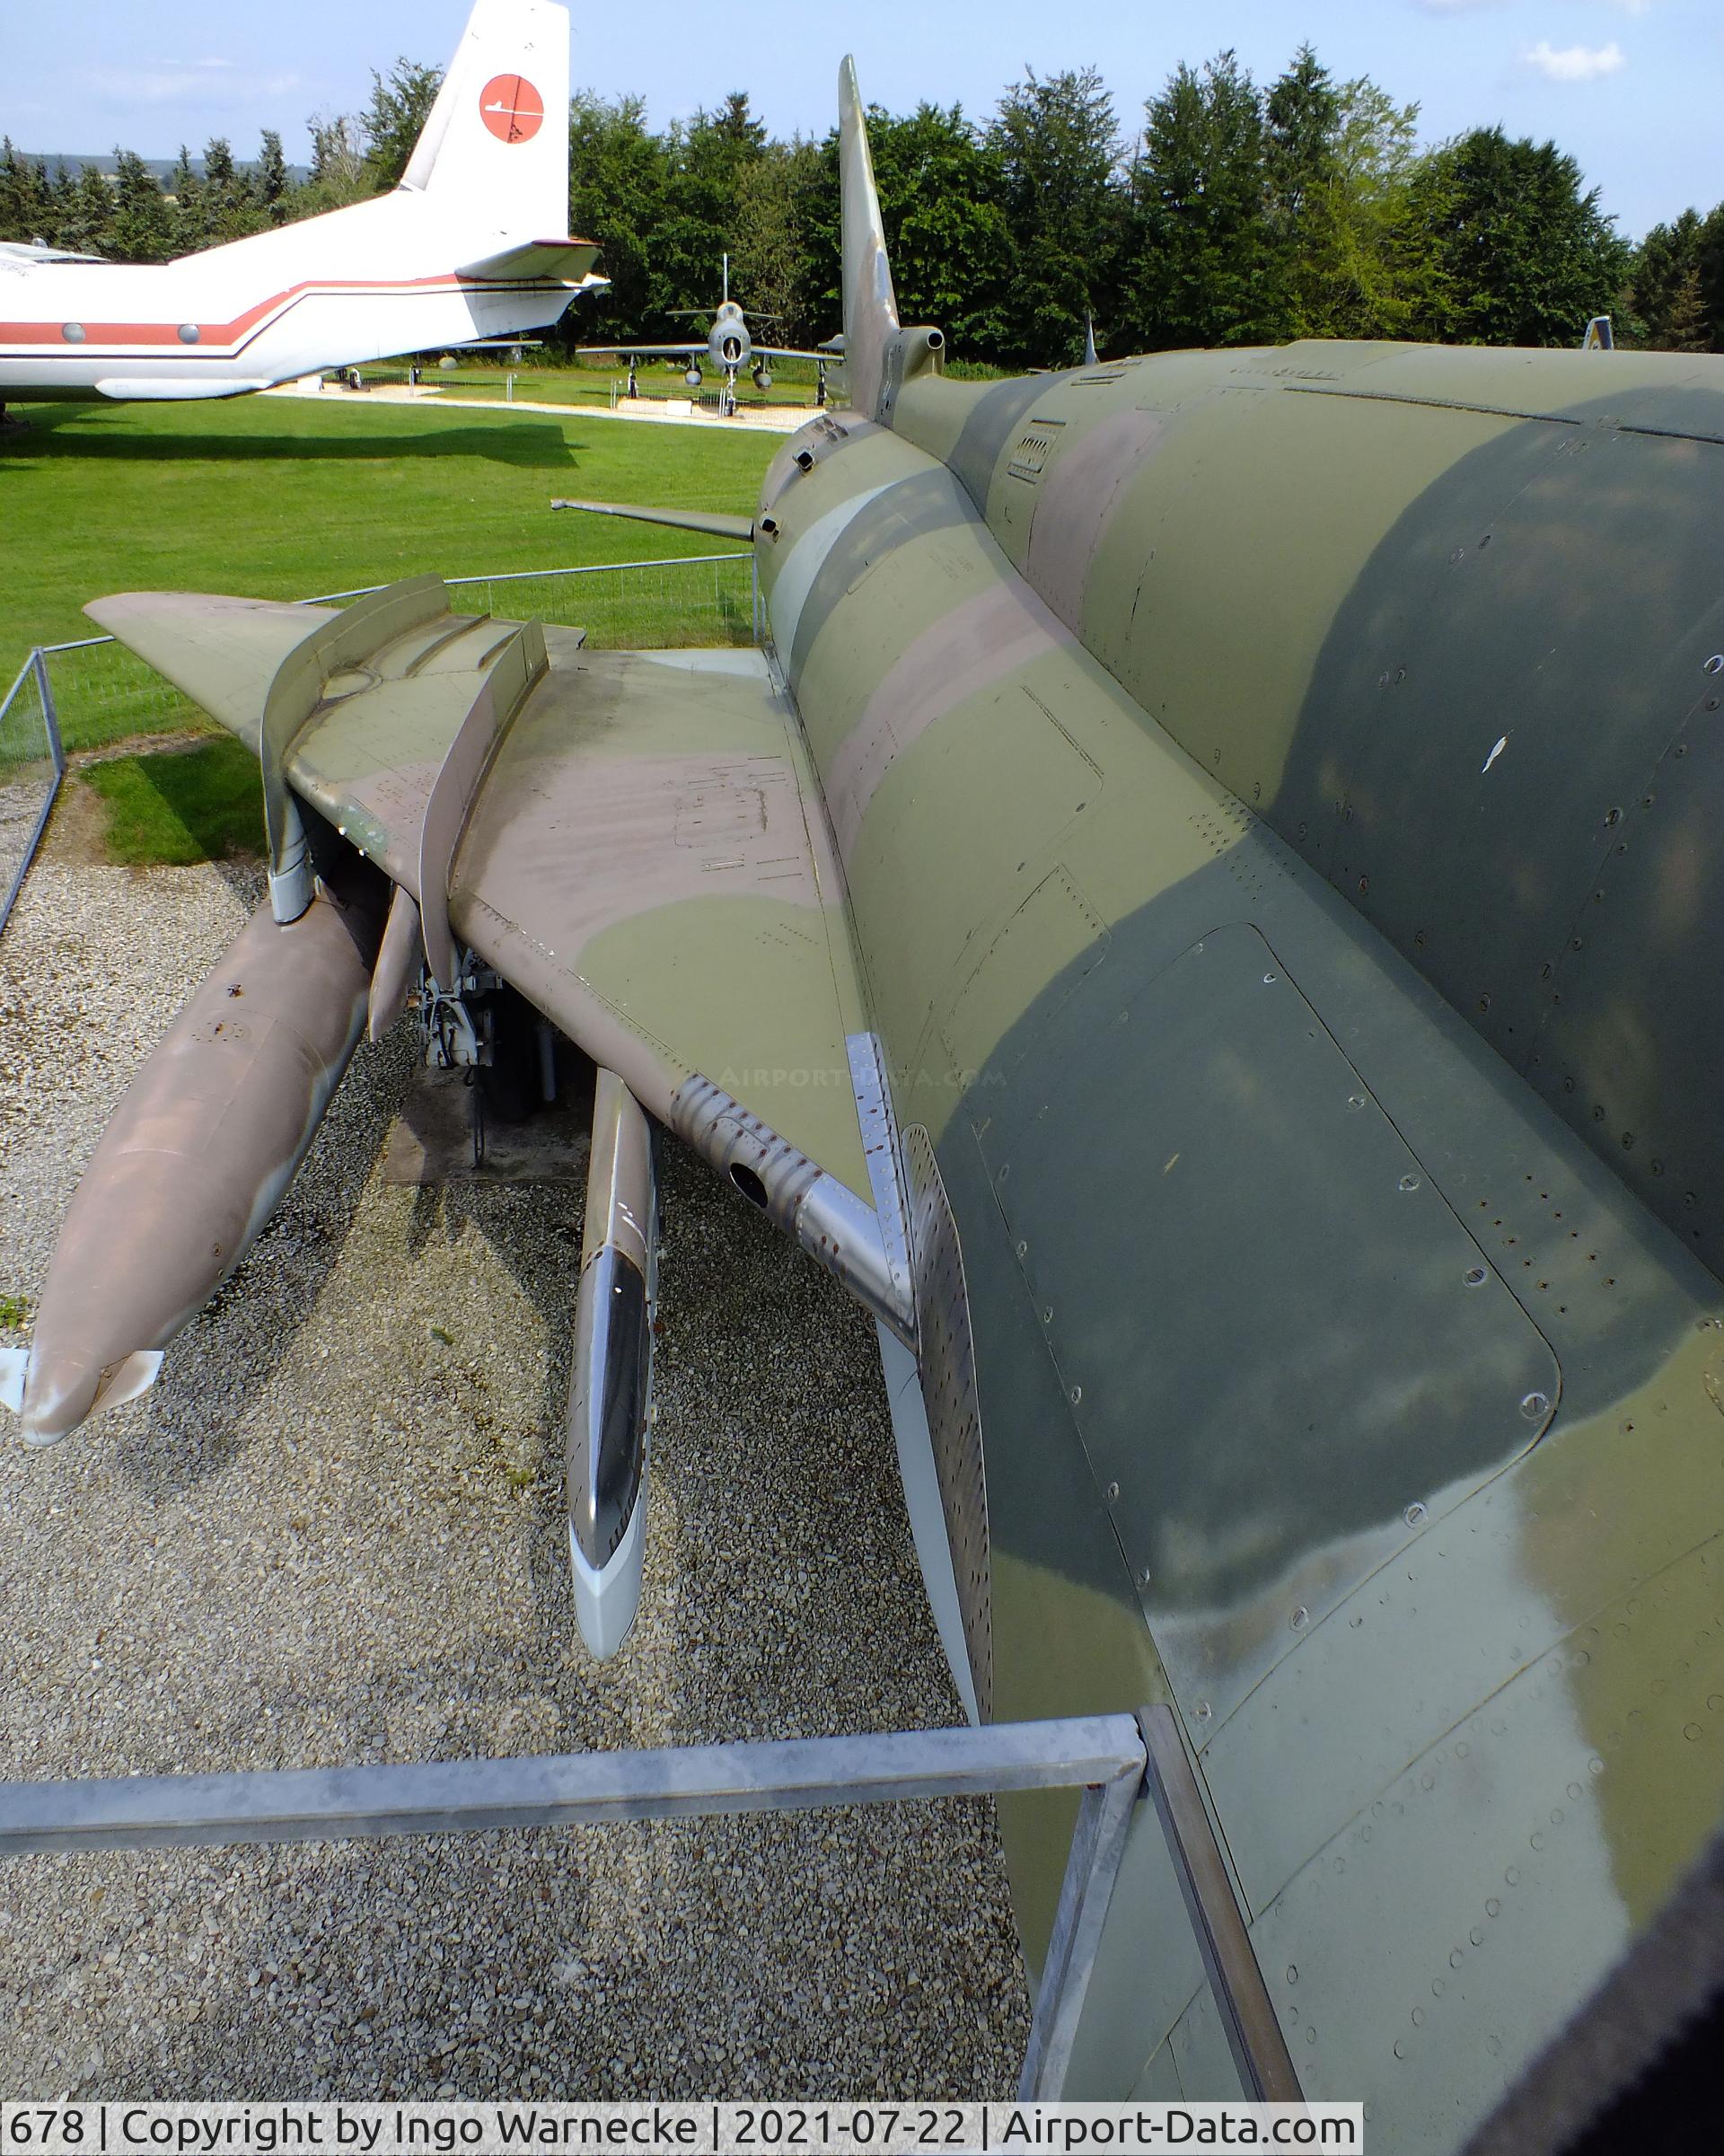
point(72, 698)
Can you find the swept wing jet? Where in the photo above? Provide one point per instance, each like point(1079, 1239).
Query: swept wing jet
point(469, 245)
point(1204, 918)
point(728, 346)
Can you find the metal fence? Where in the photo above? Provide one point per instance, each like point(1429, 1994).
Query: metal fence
point(101, 693)
point(32, 765)
point(1125, 1766)
point(691, 600)
point(94, 692)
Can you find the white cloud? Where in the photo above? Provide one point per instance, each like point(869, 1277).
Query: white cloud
point(1575, 63)
point(194, 83)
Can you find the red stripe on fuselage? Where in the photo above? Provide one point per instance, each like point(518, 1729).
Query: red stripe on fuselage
point(229, 336)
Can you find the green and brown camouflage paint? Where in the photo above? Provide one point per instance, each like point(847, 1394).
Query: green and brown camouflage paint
point(1279, 794)
point(1267, 804)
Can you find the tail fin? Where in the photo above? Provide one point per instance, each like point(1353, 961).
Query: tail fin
point(870, 304)
point(495, 150)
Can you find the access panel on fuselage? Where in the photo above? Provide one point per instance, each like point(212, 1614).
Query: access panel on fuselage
point(1275, 1336)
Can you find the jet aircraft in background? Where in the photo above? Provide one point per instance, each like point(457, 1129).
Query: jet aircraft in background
point(727, 349)
point(469, 246)
point(1204, 919)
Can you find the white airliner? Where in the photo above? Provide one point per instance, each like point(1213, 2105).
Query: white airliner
point(463, 249)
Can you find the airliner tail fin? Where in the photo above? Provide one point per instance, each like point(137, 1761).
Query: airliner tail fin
point(496, 146)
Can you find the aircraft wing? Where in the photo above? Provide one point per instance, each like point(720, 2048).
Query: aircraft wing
point(642, 351)
point(780, 351)
point(645, 856)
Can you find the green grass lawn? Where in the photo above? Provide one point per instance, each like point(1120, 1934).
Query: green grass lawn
point(179, 806)
point(588, 381)
point(278, 498)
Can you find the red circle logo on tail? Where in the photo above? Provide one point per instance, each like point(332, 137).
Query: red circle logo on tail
point(511, 107)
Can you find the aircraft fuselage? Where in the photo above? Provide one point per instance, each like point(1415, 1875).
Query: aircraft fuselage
point(1279, 794)
point(260, 310)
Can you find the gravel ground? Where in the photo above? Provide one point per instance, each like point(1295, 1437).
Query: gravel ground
point(329, 1536)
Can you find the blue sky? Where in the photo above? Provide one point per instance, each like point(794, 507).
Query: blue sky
point(1632, 88)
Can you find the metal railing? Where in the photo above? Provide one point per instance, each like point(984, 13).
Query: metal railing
point(32, 763)
point(1118, 1761)
point(92, 692)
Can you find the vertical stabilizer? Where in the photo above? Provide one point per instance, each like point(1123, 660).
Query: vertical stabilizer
point(494, 151)
point(870, 304)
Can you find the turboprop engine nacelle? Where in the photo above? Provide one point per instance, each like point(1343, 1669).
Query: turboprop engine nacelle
point(197, 1155)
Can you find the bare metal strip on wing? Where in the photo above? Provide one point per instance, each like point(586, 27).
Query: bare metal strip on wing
point(879, 1129)
point(1242, 1999)
point(948, 1363)
point(354, 635)
point(518, 665)
point(831, 1224)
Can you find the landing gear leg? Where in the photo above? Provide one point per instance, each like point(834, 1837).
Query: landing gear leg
point(492, 1035)
point(475, 1113)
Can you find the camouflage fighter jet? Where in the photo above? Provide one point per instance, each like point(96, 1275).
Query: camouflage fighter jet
point(1205, 916)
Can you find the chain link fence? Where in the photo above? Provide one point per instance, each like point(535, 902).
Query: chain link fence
point(693, 601)
point(94, 692)
point(103, 693)
point(32, 765)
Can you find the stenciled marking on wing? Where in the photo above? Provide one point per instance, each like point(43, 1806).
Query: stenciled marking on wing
point(640, 832)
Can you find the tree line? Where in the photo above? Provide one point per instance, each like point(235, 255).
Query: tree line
point(1235, 213)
